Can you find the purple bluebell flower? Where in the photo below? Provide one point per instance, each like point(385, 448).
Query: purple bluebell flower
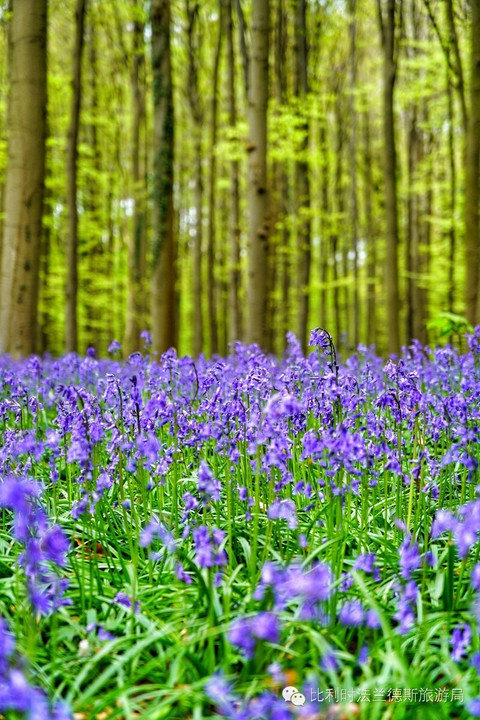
point(476, 577)
point(329, 661)
point(444, 521)
point(121, 598)
point(207, 551)
point(319, 338)
point(265, 626)
point(473, 707)
point(114, 347)
point(182, 575)
point(409, 557)
point(460, 641)
point(208, 486)
point(372, 620)
point(241, 636)
point(365, 562)
point(475, 662)
point(352, 613)
point(284, 510)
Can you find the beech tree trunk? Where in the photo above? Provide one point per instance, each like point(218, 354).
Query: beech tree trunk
point(72, 157)
point(234, 284)
point(164, 308)
point(280, 191)
point(137, 245)
point(371, 241)
point(302, 178)
point(212, 284)
point(259, 222)
point(387, 29)
point(353, 166)
point(196, 109)
point(25, 177)
point(472, 174)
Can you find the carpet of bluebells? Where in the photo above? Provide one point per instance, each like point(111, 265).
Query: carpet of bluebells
point(245, 538)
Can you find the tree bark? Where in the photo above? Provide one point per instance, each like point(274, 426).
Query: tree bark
point(164, 310)
point(387, 29)
point(71, 327)
point(197, 116)
point(353, 165)
point(302, 177)
point(472, 174)
point(259, 222)
point(371, 239)
point(137, 244)
point(212, 285)
point(25, 177)
point(234, 314)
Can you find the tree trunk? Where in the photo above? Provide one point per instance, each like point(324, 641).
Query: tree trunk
point(164, 311)
point(137, 244)
point(259, 222)
point(371, 241)
point(234, 316)
point(325, 223)
point(71, 327)
point(25, 177)
point(387, 28)
point(472, 174)
point(302, 177)
point(452, 194)
point(197, 116)
point(212, 285)
point(280, 190)
point(353, 166)
point(412, 239)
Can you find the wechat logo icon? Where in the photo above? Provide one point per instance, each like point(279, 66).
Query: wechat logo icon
point(291, 694)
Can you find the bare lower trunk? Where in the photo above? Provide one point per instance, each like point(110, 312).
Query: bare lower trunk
point(137, 246)
point(72, 153)
point(353, 167)
point(197, 116)
point(371, 242)
point(259, 222)
point(472, 175)
point(303, 180)
point(25, 177)
point(212, 285)
point(387, 27)
point(164, 309)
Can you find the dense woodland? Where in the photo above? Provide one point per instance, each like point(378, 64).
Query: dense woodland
point(227, 169)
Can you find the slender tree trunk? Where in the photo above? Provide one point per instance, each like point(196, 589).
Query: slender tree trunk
point(212, 285)
point(412, 239)
point(451, 198)
point(234, 316)
point(472, 174)
point(197, 115)
point(353, 166)
point(25, 176)
point(387, 28)
point(325, 225)
point(280, 190)
point(302, 177)
point(259, 222)
point(98, 320)
point(421, 256)
point(371, 240)
point(137, 245)
point(72, 157)
point(243, 44)
point(164, 312)
point(337, 224)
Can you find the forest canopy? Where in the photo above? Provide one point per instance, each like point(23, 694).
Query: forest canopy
point(221, 170)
